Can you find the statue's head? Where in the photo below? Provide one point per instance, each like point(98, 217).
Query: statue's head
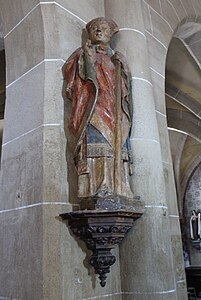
point(101, 30)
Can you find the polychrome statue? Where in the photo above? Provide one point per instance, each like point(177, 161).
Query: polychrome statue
point(98, 84)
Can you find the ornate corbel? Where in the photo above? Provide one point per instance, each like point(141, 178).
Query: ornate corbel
point(101, 230)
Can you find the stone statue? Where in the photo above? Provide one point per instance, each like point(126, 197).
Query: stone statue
point(98, 84)
point(195, 225)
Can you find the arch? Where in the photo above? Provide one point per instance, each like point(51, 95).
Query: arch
point(190, 34)
point(179, 25)
point(183, 105)
point(189, 174)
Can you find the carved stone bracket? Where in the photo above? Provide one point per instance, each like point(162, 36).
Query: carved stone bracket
point(101, 230)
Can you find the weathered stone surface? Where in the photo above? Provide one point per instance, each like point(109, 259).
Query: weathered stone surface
point(22, 254)
point(43, 48)
point(31, 41)
point(86, 10)
point(22, 172)
point(147, 234)
point(164, 138)
point(27, 113)
point(147, 17)
point(125, 42)
point(155, 5)
point(147, 180)
point(170, 14)
point(53, 107)
point(18, 10)
point(35, 159)
point(60, 27)
point(177, 252)
point(158, 90)
point(28, 51)
point(157, 55)
point(188, 6)
point(54, 165)
point(162, 30)
point(179, 9)
point(144, 117)
point(35, 106)
point(170, 188)
point(131, 17)
point(181, 290)
point(197, 6)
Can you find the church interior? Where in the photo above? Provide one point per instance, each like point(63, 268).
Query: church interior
point(160, 257)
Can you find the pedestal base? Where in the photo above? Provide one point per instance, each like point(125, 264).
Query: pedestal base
point(113, 202)
point(101, 230)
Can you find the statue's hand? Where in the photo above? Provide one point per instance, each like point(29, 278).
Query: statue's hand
point(117, 56)
point(120, 58)
point(90, 50)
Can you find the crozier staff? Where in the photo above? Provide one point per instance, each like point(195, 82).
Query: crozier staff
point(98, 84)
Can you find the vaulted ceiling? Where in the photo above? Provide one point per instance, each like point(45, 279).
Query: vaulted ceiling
point(183, 104)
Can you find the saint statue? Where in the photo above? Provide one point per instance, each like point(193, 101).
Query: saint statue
point(98, 83)
point(195, 225)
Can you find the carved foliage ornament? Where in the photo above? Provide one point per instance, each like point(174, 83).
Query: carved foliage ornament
point(101, 231)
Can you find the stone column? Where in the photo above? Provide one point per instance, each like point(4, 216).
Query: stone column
point(33, 174)
point(146, 255)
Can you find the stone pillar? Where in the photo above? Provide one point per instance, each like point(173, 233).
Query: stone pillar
point(41, 259)
point(33, 176)
point(146, 254)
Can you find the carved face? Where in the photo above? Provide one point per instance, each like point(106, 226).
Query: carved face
point(100, 33)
